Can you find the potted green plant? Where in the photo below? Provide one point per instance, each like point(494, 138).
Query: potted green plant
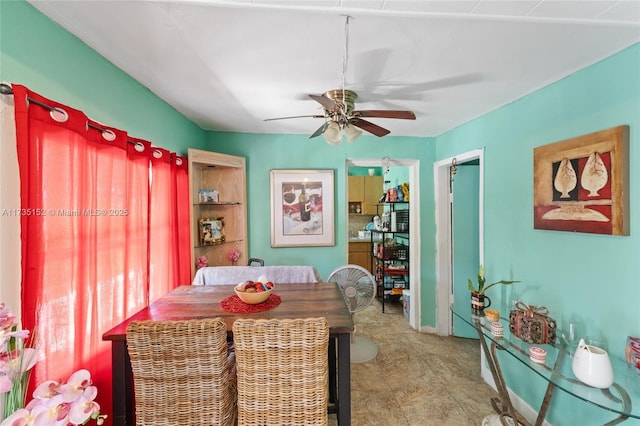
point(479, 300)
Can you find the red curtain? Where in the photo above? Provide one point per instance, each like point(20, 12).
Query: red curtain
point(168, 266)
point(100, 234)
point(181, 239)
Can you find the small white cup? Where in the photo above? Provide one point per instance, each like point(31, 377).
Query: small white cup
point(371, 172)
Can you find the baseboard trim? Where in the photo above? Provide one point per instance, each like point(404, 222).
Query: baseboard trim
point(427, 329)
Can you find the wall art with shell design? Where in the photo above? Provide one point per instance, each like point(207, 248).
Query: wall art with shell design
point(582, 184)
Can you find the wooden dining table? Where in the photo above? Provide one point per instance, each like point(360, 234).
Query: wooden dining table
point(191, 302)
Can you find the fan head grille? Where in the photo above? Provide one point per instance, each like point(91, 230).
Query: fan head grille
point(356, 284)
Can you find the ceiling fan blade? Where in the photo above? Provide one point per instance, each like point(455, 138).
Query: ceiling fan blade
point(295, 116)
point(324, 101)
point(369, 127)
point(320, 130)
point(385, 113)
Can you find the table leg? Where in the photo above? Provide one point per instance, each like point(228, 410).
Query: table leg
point(546, 401)
point(122, 382)
point(624, 399)
point(492, 360)
point(344, 379)
point(333, 380)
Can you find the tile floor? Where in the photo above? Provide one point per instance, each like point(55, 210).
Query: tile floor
point(417, 378)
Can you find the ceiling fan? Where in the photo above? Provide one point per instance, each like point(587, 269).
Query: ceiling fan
point(340, 115)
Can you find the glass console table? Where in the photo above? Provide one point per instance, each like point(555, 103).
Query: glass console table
point(621, 400)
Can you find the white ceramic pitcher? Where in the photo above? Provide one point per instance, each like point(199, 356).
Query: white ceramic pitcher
point(592, 366)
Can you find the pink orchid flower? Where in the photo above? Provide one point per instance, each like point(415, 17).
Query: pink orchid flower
point(75, 386)
point(20, 417)
point(49, 412)
point(5, 383)
point(84, 407)
point(46, 390)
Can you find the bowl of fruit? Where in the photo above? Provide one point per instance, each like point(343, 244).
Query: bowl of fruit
point(254, 292)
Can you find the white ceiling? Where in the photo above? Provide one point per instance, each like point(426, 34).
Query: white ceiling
point(228, 65)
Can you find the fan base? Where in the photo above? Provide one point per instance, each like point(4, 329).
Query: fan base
point(362, 350)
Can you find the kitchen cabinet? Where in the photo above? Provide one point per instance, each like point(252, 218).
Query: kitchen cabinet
point(218, 212)
point(364, 191)
point(360, 254)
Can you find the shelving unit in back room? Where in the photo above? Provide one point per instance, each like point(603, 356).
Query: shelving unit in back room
point(390, 259)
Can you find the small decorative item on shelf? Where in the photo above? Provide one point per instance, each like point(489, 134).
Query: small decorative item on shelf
point(202, 262)
point(392, 195)
point(211, 231)
point(478, 299)
point(592, 366)
point(233, 256)
point(492, 315)
point(532, 324)
point(208, 196)
point(497, 329)
point(537, 354)
point(632, 353)
point(405, 192)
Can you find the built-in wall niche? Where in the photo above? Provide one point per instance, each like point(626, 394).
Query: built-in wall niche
point(355, 207)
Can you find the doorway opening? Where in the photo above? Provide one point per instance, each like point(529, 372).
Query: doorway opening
point(446, 263)
point(413, 167)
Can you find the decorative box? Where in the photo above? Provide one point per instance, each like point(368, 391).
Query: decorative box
point(632, 353)
point(532, 324)
point(537, 354)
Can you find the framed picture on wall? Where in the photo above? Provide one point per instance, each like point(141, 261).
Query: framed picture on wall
point(211, 231)
point(582, 184)
point(302, 208)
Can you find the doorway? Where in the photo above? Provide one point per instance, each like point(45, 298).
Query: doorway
point(413, 166)
point(459, 234)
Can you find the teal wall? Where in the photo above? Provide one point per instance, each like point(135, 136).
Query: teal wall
point(266, 152)
point(38, 53)
point(364, 171)
point(589, 279)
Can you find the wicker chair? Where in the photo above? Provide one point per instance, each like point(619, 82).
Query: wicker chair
point(282, 371)
point(182, 372)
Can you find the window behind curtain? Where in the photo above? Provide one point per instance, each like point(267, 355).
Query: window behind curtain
point(94, 203)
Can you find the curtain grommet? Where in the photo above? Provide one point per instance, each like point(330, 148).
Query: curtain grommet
point(59, 115)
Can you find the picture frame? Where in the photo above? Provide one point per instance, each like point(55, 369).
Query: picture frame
point(211, 231)
point(208, 196)
point(302, 208)
point(581, 184)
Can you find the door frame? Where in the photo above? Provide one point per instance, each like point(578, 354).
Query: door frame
point(444, 272)
point(414, 225)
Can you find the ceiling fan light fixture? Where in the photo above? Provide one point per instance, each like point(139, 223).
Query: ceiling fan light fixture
point(352, 133)
point(333, 134)
point(341, 117)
